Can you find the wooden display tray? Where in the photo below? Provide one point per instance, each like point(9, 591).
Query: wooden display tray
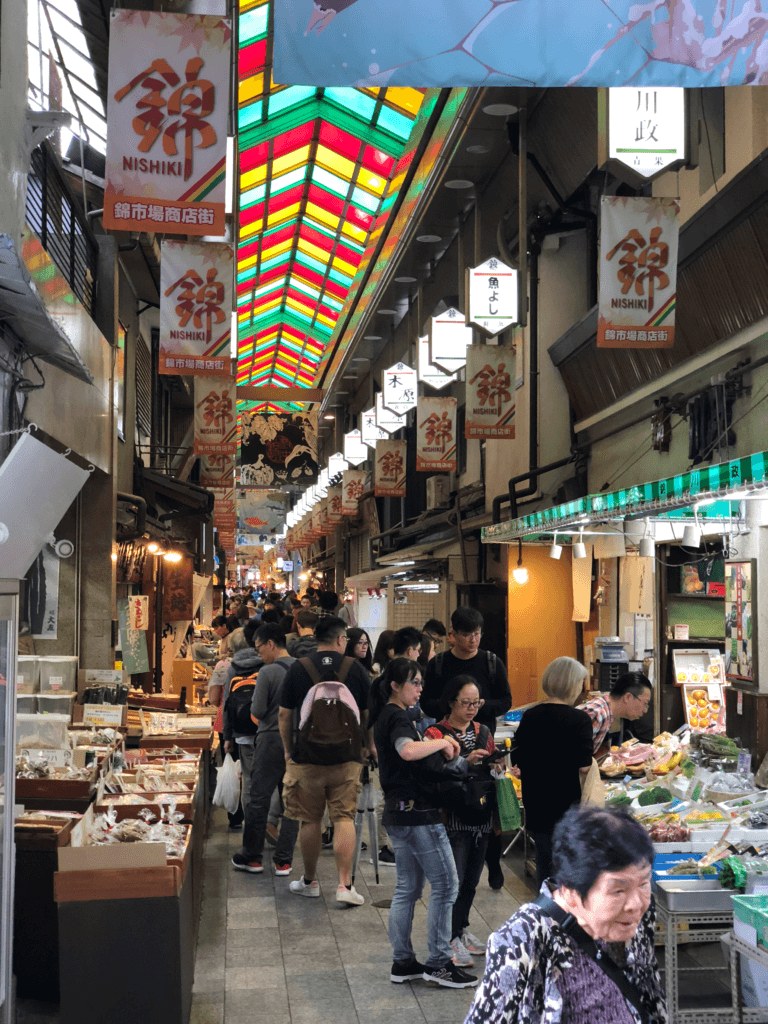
point(56, 789)
point(186, 741)
point(117, 884)
point(33, 839)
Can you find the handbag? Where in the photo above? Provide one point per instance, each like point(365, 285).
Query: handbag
point(587, 945)
point(592, 788)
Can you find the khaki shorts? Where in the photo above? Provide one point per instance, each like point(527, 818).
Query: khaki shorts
point(307, 788)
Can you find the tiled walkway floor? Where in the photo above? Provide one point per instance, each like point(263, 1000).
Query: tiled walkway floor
point(266, 956)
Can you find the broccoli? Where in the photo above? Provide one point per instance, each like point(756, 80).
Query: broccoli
point(622, 800)
point(654, 795)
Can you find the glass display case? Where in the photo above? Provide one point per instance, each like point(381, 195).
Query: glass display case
point(9, 604)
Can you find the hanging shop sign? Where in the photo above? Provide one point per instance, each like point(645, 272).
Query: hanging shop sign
point(646, 128)
point(167, 123)
point(449, 338)
point(336, 464)
point(492, 291)
point(741, 619)
point(369, 431)
point(428, 373)
point(261, 512)
point(178, 590)
point(352, 486)
point(386, 419)
point(195, 308)
point(436, 435)
point(217, 471)
point(334, 505)
point(138, 611)
point(389, 478)
point(215, 415)
point(355, 449)
point(399, 387)
point(638, 272)
point(276, 450)
point(490, 408)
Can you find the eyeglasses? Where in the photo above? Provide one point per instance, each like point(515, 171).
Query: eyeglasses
point(470, 636)
point(257, 649)
point(471, 703)
point(416, 682)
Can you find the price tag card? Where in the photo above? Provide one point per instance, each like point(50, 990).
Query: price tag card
point(744, 763)
point(57, 758)
point(103, 675)
point(681, 631)
point(714, 692)
point(106, 715)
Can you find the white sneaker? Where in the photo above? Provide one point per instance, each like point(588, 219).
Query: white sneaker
point(352, 896)
point(472, 944)
point(460, 956)
point(302, 888)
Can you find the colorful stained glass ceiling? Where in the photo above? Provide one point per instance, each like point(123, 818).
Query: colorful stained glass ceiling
point(315, 172)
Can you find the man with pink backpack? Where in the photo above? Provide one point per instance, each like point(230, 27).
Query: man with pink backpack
point(324, 758)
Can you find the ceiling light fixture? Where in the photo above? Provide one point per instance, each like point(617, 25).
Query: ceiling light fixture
point(647, 546)
point(520, 573)
point(429, 238)
point(458, 184)
point(329, 416)
point(153, 547)
point(172, 556)
point(387, 312)
point(500, 109)
point(405, 279)
point(557, 549)
point(692, 532)
point(579, 548)
point(478, 149)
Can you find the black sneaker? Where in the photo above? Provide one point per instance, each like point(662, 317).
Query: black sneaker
point(496, 879)
point(407, 972)
point(450, 976)
point(251, 865)
point(386, 856)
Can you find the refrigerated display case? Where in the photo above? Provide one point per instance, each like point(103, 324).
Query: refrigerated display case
point(9, 621)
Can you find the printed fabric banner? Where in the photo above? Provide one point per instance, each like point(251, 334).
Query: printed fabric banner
point(167, 123)
point(261, 512)
point(490, 409)
point(195, 308)
point(276, 450)
point(334, 505)
point(215, 415)
point(436, 435)
point(389, 475)
point(217, 471)
point(365, 43)
point(638, 272)
point(352, 486)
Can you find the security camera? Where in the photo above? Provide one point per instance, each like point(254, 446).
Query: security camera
point(64, 548)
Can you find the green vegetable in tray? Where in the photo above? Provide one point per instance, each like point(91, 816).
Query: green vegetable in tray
point(654, 795)
point(622, 800)
point(687, 767)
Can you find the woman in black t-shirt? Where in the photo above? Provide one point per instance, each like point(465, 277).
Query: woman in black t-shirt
point(554, 752)
point(414, 825)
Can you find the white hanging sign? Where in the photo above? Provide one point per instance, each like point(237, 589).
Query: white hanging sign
point(386, 419)
point(355, 450)
point(336, 464)
point(646, 128)
point(492, 290)
point(399, 388)
point(370, 432)
point(449, 338)
point(428, 373)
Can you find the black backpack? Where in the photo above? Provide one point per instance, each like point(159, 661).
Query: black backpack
point(474, 799)
point(490, 657)
point(237, 710)
point(329, 730)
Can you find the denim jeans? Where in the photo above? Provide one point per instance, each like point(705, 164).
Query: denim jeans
point(264, 763)
point(468, 848)
point(422, 851)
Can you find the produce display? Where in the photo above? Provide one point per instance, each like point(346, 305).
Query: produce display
point(703, 710)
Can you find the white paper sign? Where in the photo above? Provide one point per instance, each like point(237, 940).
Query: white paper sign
point(428, 373)
point(57, 758)
point(103, 675)
point(449, 338)
point(492, 296)
point(399, 386)
point(369, 431)
point(355, 450)
point(386, 419)
point(646, 128)
point(108, 715)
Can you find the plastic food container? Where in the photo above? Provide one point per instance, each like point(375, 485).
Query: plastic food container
point(27, 673)
point(26, 703)
point(42, 732)
point(55, 703)
point(58, 674)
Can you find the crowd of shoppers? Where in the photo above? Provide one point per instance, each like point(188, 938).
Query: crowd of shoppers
point(419, 711)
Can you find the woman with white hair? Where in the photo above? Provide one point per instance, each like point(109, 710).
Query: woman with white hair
point(554, 753)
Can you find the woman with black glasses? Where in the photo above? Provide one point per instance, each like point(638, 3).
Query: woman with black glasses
point(468, 833)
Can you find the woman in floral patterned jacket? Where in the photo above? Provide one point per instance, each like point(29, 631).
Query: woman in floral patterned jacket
point(583, 953)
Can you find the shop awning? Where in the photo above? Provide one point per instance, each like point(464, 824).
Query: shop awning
point(660, 496)
point(23, 308)
point(364, 580)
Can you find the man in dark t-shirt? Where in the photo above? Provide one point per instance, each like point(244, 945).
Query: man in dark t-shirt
point(308, 788)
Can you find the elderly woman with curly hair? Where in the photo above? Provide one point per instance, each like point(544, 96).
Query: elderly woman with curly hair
point(583, 952)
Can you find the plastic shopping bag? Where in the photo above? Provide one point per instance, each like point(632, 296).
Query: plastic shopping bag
point(227, 793)
point(509, 808)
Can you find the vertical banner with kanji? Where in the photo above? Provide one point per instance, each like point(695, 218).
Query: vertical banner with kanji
point(215, 416)
point(195, 308)
point(334, 505)
point(389, 476)
point(638, 272)
point(490, 408)
point(168, 101)
point(352, 485)
point(217, 471)
point(436, 435)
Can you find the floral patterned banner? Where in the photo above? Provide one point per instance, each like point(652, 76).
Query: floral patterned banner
point(638, 272)
point(352, 485)
point(389, 478)
point(276, 450)
point(195, 308)
point(215, 415)
point(168, 101)
point(490, 408)
point(436, 435)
